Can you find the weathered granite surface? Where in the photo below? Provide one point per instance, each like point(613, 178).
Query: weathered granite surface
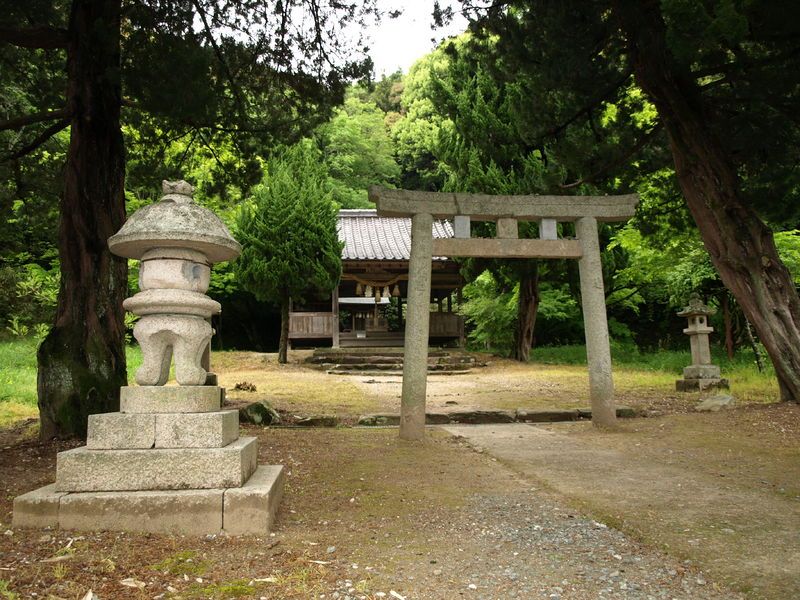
point(170, 399)
point(83, 470)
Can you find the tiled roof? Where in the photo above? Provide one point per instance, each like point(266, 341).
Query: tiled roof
point(367, 236)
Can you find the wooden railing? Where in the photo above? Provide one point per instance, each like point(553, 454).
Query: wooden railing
point(310, 325)
point(443, 324)
point(320, 325)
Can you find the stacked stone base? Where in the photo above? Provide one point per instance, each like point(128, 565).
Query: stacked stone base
point(697, 378)
point(160, 466)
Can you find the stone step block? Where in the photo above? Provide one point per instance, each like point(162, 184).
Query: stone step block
point(251, 508)
point(37, 508)
point(701, 372)
point(188, 512)
point(127, 431)
point(170, 398)
point(197, 430)
point(121, 430)
point(84, 470)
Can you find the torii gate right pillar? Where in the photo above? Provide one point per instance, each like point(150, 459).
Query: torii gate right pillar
point(593, 300)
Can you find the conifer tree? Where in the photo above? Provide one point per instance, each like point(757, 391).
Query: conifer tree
point(290, 249)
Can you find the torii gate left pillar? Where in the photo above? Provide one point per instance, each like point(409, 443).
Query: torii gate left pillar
point(506, 211)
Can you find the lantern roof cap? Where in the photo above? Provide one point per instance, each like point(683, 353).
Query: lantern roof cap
point(175, 221)
point(696, 307)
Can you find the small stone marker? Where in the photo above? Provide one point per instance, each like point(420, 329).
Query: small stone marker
point(716, 403)
point(701, 374)
point(171, 461)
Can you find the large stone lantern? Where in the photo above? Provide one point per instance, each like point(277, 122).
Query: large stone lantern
point(171, 460)
point(701, 374)
point(177, 241)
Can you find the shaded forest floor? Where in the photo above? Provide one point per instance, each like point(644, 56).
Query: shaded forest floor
point(677, 505)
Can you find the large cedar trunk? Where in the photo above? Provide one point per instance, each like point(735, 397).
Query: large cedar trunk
point(82, 359)
point(527, 305)
point(741, 246)
point(283, 345)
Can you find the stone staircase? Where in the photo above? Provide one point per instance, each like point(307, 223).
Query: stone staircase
point(388, 361)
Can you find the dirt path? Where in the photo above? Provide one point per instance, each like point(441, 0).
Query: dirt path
point(733, 516)
point(364, 515)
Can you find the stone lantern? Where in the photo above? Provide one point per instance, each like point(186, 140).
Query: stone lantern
point(701, 374)
point(176, 241)
point(171, 460)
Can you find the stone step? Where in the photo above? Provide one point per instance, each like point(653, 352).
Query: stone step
point(249, 509)
point(85, 470)
point(170, 398)
point(126, 431)
point(394, 373)
point(355, 358)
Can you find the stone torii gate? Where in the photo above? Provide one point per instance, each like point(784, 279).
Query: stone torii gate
point(506, 211)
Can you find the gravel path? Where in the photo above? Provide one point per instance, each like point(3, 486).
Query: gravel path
point(522, 542)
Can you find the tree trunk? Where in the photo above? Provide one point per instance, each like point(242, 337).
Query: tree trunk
point(284, 343)
point(728, 322)
point(82, 359)
point(741, 246)
point(527, 305)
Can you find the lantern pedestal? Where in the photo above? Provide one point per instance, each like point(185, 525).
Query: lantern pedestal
point(170, 462)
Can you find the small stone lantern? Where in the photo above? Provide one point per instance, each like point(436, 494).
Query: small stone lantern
point(177, 241)
point(701, 374)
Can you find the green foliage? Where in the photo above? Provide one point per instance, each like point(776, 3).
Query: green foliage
point(558, 318)
point(16, 328)
point(28, 293)
point(288, 230)
point(5, 592)
point(788, 243)
point(490, 313)
point(357, 151)
point(417, 132)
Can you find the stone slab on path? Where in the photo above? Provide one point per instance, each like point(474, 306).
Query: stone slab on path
point(478, 417)
point(690, 511)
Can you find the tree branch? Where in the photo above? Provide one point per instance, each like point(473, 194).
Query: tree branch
point(586, 109)
point(220, 57)
point(45, 115)
point(38, 140)
point(43, 37)
point(615, 163)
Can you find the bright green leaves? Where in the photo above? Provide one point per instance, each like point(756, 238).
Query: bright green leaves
point(288, 230)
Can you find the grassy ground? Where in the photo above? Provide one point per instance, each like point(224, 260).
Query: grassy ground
point(557, 380)
point(18, 377)
point(637, 370)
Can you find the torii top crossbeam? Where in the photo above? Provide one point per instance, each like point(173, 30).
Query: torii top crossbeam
point(482, 207)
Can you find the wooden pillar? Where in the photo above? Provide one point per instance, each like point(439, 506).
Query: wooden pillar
point(335, 310)
point(450, 302)
point(415, 355)
point(598, 350)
